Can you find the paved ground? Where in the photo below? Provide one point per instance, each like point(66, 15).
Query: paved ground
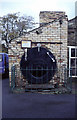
point(0, 98)
point(36, 105)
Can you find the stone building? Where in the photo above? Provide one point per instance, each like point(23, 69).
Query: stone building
point(52, 34)
point(72, 32)
point(72, 46)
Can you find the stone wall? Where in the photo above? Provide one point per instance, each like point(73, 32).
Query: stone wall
point(51, 32)
point(49, 16)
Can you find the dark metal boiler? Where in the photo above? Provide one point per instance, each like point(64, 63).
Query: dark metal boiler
point(39, 67)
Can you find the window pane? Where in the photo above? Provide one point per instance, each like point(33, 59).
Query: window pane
point(72, 72)
point(73, 52)
point(76, 71)
point(72, 62)
point(76, 62)
point(76, 52)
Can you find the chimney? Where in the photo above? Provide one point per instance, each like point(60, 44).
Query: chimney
point(49, 16)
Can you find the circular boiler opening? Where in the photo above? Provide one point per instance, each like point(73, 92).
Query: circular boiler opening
point(40, 67)
point(38, 71)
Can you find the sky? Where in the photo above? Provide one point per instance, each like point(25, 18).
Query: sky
point(33, 7)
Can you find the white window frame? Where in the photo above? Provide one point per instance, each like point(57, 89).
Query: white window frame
point(70, 47)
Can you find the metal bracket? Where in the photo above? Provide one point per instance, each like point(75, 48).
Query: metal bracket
point(50, 57)
point(26, 54)
point(38, 45)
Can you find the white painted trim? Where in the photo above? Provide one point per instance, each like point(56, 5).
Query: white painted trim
point(70, 47)
point(73, 76)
